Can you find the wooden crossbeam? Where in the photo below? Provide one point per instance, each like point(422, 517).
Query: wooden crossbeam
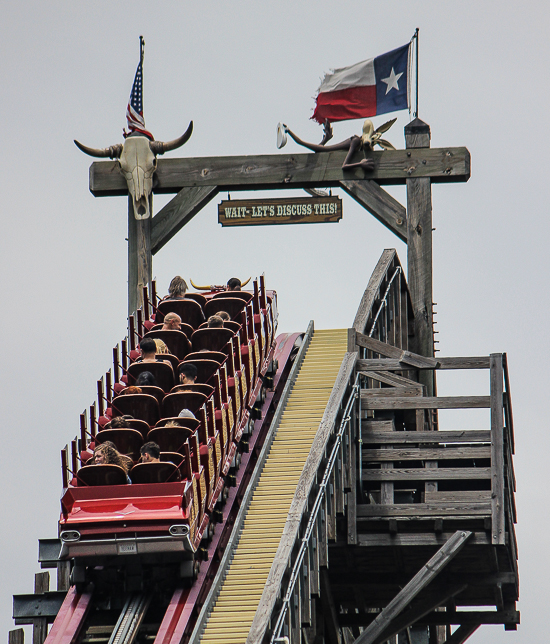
point(461, 634)
point(272, 171)
point(443, 436)
point(381, 626)
point(393, 364)
point(369, 400)
point(385, 349)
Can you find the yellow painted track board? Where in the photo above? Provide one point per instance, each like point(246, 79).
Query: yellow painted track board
point(240, 593)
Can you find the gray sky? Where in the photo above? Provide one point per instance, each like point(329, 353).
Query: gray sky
point(237, 69)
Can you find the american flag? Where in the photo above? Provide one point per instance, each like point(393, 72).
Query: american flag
point(134, 111)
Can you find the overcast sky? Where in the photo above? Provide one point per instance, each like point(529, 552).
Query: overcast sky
point(237, 69)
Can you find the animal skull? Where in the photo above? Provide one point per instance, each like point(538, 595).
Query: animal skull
point(137, 159)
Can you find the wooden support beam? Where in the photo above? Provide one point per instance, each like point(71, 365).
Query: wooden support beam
point(369, 400)
point(178, 212)
point(498, 529)
point(332, 627)
point(419, 250)
point(140, 259)
point(422, 474)
point(380, 204)
point(16, 636)
point(272, 171)
point(393, 364)
point(383, 622)
point(385, 349)
point(40, 624)
point(431, 539)
point(461, 634)
point(425, 453)
point(443, 436)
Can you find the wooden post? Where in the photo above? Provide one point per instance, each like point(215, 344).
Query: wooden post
point(16, 636)
point(40, 624)
point(419, 251)
point(140, 259)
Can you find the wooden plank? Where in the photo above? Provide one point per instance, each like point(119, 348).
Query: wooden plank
point(382, 426)
point(140, 259)
point(391, 364)
point(473, 617)
point(275, 171)
point(497, 449)
point(417, 474)
point(40, 624)
point(393, 392)
point(425, 454)
point(422, 578)
point(370, 401)
point(481, 496)
point(436, 509)
point(415, 539)
point(443, 436)
point(387, 259)
point(393, 379)
point(380, 204)
point(385, 349)
point(178, 212)
point(16, 636)
point(330, 612)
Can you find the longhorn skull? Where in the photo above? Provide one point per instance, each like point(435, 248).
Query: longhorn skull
point(137, 160)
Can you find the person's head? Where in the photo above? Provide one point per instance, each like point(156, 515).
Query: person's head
point(131, 390)
point(178, 287)
point(106, 454)
point(118, 422)
point(234, 284)
point(172, 321)
point(215, 322)
point(188, 373)
point(186, 413)
point(150, 452)
point(148, 347)
point(161, 346)
point(173, 423)
point(146, 379)
point(224, 315)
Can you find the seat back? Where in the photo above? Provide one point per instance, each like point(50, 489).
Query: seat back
point(127, 441)
point(174, 403)
point(218, 356)
point(184, 328)
point(154, 473)
point(176, 341)
point(189, 311)
point(207, 390)
point(92, 475)
point(142, 406)
point(170, 439)
point(198, 297)
point(241, 295)
point(140, 425)
point(233, 306)
point(211, 339)
point(157, 392)
point(163, 374)
point(190, 423)
point(205, 368)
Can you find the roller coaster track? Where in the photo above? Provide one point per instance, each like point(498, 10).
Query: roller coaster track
point(253, 552)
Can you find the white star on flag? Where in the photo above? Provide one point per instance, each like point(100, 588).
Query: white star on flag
point(391, 80)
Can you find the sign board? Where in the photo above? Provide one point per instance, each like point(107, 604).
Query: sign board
point(288, 210)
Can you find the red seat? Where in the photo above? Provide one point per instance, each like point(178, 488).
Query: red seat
point(174, 403)
point(176, 341)
point(190, 423)
point(198, 297)
point(189, 311)
point(142, 406)
point(211, 339)
point(154, 473)
point(218, 356)
point(92, 475)
point(170, 439)
point(141, 426)
point(207, 390)
point(241, 295)
point(205, 368)
point(163, 373)
point(232, 305)
point(184, 328)
point(157, 392)
point(127, 441)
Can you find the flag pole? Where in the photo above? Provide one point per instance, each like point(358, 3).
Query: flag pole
point(416, 65)
point(142, 48)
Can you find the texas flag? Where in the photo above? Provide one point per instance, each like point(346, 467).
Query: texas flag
point(375, 86)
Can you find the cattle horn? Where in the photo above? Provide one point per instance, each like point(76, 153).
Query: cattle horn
point(201, 288)
point(245, 283)
point(158, 147)
point(113, 151)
